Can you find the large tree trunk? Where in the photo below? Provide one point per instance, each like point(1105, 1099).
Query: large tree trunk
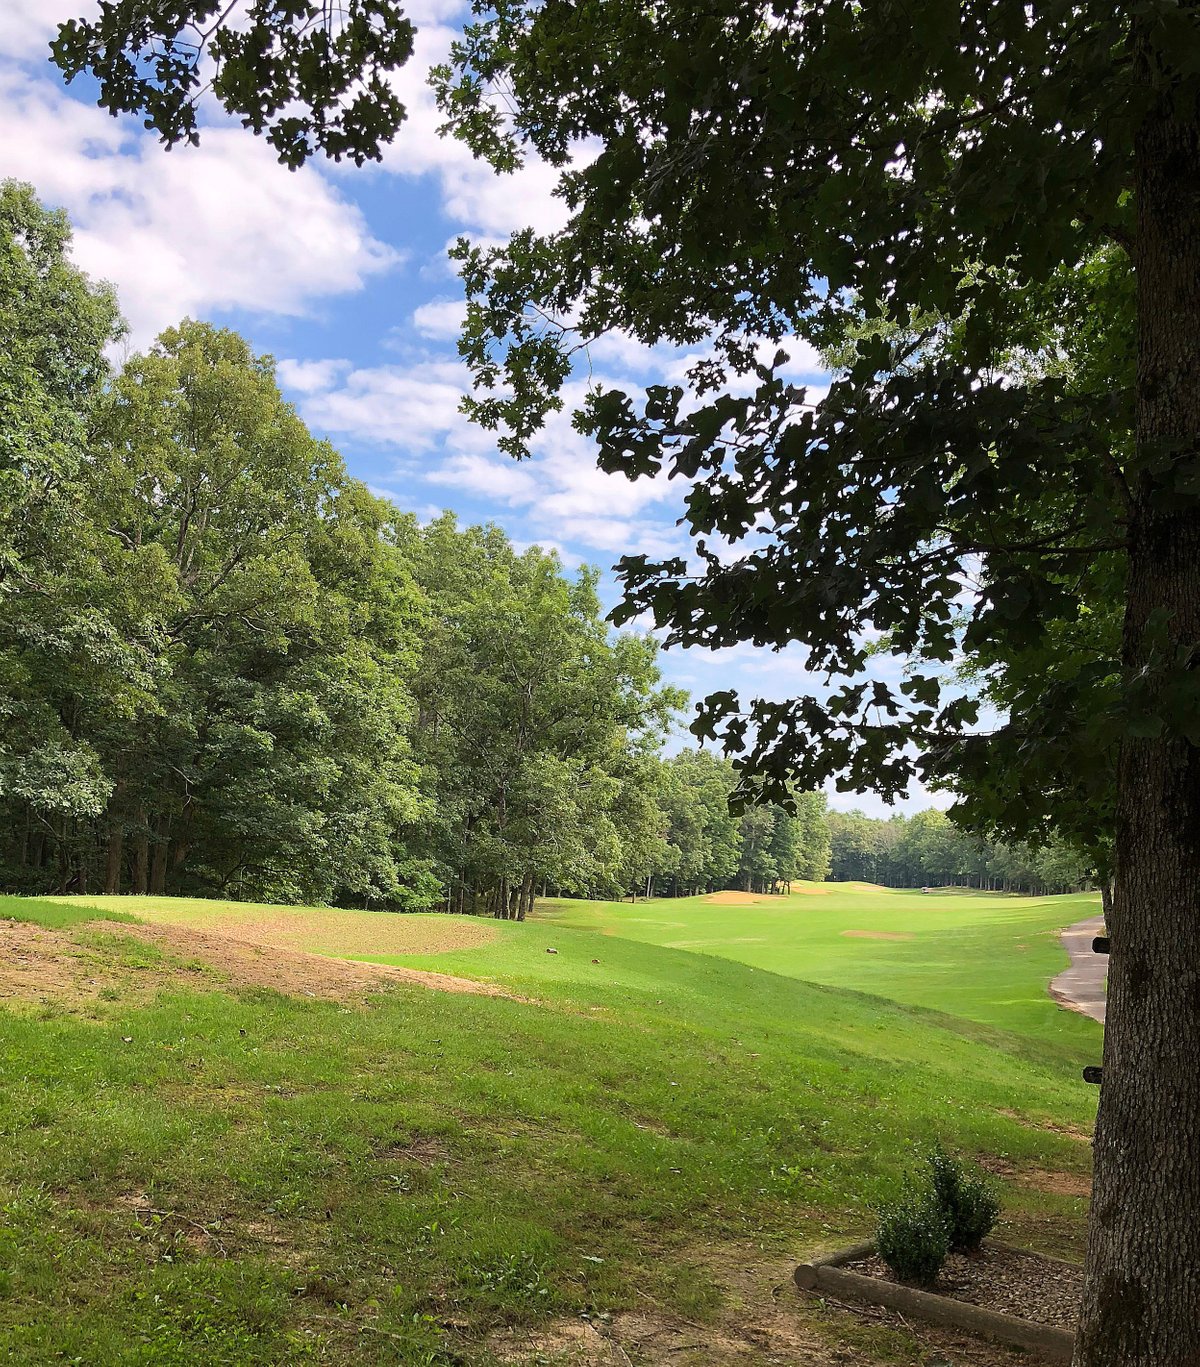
point(141, 856)
point(158, 867)
point(1141, 1304)
point(116, 847)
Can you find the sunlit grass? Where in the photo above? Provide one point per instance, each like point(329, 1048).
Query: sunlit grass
point(433, 1160)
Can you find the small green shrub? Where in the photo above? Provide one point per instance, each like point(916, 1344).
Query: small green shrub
point(912, 1238)
point(966, 1199)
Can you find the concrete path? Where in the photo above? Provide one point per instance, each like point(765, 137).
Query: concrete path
point(1081, 987)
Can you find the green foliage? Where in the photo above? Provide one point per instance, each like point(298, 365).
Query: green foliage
point(949, 1209)
point(912, 1238)
point(56, 613)
point(538, 730)
point(264, 615)
point(702, 839)
point(967, 1200)
point(928, 849)
point(226, 666)
point(311, 75)
point(979, 430)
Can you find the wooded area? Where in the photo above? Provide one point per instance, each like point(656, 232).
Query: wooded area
point(989, 211)
point(231, 669)
point(928, 850)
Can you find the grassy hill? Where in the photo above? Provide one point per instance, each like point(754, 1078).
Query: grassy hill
point(198, 1166)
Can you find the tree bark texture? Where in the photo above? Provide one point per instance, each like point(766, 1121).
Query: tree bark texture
point(116, 847)
point(1141, 1301)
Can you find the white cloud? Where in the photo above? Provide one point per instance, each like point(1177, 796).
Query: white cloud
point(220, 226)
point(440, 319)
point(489, 476)
point(27, 26)
point(309, 377)
point(472, 193)
point(560, 494)
point(802, 357)
point(803, 363)
point(410, 408)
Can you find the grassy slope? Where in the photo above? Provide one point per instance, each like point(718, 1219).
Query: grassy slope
point(466, 1159)
point(980, 956)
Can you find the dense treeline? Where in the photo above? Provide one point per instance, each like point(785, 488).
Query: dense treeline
point(227, 668)
point(928, 850)
point(762, 850)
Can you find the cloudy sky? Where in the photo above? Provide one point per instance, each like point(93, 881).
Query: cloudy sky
point(342, 275)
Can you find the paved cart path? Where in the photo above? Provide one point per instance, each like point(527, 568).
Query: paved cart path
point(1081, 987)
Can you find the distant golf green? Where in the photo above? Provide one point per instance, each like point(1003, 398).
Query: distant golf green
point(981, 956)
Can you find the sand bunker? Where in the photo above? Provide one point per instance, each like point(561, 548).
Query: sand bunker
point(733, 898)
point(876, 935)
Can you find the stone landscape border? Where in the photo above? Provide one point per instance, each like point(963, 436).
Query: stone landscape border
point(829, 1275)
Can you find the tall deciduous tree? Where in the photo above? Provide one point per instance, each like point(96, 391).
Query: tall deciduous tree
point(756, 177)
point(703, 840)
point(756, 169)
point(274, 758)
point(536, 727)
point(65, 625)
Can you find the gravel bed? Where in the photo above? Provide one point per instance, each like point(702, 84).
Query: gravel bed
point(1017, 1283)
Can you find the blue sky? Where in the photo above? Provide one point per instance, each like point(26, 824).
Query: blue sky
point(342, 275)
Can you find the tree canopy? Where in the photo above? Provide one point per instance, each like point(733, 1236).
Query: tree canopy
point(311, 75)
point(757, 175)
point(226, 667)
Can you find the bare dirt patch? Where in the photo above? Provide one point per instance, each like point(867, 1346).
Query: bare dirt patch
point(426, 1151)
point(294, 972)
point(763, 1321)
point(1081, 1136)
point(567, 1341)
point(83, 968)
point(40, 965)
point(876, 935)
point(1073, 1184)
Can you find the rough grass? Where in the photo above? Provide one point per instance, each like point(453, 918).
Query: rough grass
point(317, 930)
point(240, 1176)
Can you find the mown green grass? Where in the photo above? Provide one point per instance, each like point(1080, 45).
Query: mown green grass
point(985, 957)
point(57, 915)
point(385, 1182)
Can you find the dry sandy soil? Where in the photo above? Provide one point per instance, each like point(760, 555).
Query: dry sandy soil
point(765, 1322)
point(733, 898)
point(89, 963)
